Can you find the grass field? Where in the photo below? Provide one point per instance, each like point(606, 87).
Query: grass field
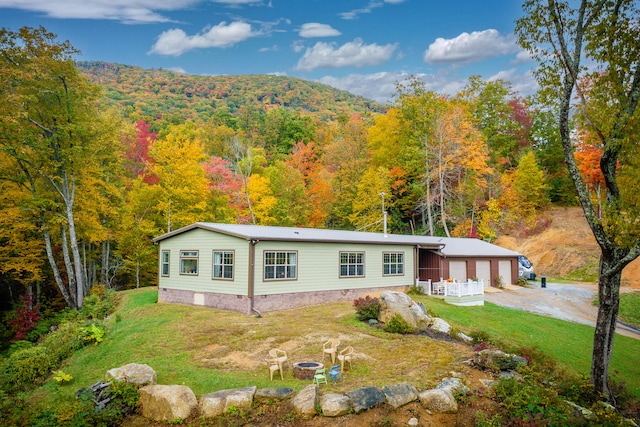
point(211, 350)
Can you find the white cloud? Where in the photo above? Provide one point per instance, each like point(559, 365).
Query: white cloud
point(468, 48)
point(273, 48)
point(237, 2)
point(373, 4)
point(315, 29)
point(297, 46)
point(127, 11)
point(381, 87)
point(377, 86)
point(524, 84)
point(177, 70)
point(175, 42)
point(352, 54)
point(523, 56)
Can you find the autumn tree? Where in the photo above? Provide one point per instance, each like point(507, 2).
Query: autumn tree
point(502, 118)
point(564, 37)
point(550, 156)
point(367, 206)
point(177, 161)
point(317, 182)
point(345, 158)
point(524, 193)
point(460, 167)
point(52, 135)
point(588, 155)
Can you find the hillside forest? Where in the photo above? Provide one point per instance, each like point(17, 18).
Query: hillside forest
point(98, 159)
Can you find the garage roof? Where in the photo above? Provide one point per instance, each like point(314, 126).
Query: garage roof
point(448, 246)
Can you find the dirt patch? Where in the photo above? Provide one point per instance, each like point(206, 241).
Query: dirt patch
point(567, 245)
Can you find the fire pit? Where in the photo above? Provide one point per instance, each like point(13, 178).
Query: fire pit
point(306, 370)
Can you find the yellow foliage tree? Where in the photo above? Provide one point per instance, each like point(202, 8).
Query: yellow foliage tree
point(177, 162)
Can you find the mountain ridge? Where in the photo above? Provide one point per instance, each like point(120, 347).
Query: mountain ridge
point(153, 93)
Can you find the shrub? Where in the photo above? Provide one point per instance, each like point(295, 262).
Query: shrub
point(367, 308)
point(25, 317)
point(397, 325)
point(415, 290)
point(62, 342)
point(99, 304)
point(93, 333)
point(479, 336)
point(26, 368)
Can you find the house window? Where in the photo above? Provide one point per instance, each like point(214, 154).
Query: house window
point(351, 264)
point(280, 265)
point(164, 263)
point(393, 263)
point(189, 262)
point(223, 265)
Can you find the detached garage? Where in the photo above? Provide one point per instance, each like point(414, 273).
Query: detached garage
point(249, 268)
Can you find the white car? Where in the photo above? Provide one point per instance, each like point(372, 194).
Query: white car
point(525, 268)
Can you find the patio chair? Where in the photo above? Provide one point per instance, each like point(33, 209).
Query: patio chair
point(274, 366)
point(330, 348)
point(345, 356)
point(335, 373)
point(320, 376)
point(278, 354)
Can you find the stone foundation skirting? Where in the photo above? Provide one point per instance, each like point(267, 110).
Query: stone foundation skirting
point(267, 303)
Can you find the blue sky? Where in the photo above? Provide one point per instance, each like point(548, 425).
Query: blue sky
point(363, 46)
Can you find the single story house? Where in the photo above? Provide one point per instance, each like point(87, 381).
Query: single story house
point(249, 268)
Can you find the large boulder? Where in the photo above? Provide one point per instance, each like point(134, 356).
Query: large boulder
point(455, 385)
point(498, 360)
point(398, 395)
point(399, 303)
point(439, 400)
point(220, 402)
point(335, 405)
point(365, 398)
point(138, 374)
point(273, 395)
point(304, 403)
point(167, 402)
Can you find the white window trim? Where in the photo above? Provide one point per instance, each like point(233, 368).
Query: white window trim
point(163, 263)
point(276, 252)
point(356, 264)
point(184, 257)
point(393, 263)
point(213, 264)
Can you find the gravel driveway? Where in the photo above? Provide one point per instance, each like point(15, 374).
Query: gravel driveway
point(573, 303)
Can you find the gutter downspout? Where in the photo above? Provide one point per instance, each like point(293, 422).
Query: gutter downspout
point(252, 275)
point(416, 267)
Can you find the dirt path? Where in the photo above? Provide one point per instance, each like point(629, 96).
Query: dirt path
point(565, 245)
point(573, 303)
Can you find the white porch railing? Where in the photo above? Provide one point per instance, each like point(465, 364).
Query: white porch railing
point(453, 289)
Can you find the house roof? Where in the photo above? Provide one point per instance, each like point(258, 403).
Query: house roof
point(447, 246)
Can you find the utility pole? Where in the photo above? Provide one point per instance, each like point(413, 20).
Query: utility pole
point(384, 215)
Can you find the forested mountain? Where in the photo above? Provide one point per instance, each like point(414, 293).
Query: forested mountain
point(163, 93)
point(99, 159)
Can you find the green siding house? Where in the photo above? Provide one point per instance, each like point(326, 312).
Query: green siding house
point(254, 269)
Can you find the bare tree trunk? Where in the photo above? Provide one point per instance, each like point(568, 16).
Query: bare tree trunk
point(608, 304)
point(104, 268)
point(70, 299)
point(137, 273)
point(68, 195)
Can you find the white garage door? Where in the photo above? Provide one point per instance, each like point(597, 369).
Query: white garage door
point(483, 272)
point(458, 270)
point(504, 269)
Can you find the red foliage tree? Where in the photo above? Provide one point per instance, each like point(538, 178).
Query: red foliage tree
point(26, 317)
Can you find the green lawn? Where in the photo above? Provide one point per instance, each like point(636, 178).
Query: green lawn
point(569, 343)
point(187, 345)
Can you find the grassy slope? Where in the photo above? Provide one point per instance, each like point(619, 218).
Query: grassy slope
point(569, 343)
point(211, 350)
